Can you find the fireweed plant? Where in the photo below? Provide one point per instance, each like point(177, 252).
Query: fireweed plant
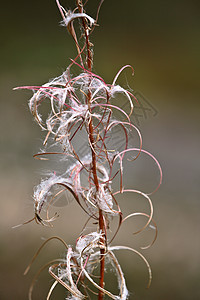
point(84, 105)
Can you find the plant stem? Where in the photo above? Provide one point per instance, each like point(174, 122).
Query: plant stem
point(94, 166)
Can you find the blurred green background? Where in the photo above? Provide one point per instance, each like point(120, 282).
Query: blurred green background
point(160, 39)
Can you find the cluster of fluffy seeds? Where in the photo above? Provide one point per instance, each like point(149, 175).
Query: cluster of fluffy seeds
point(69, 116)
point(81, 264)
point(82, 108)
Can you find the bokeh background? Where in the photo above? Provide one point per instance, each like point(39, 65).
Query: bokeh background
point(160, 39)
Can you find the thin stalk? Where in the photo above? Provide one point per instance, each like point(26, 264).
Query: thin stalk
point(94, 165)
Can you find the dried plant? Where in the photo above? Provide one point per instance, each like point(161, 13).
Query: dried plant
point(84, 106)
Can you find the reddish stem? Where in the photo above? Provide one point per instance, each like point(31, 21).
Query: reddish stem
point(94, 165)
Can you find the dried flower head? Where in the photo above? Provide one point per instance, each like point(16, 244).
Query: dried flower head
point(84, 106)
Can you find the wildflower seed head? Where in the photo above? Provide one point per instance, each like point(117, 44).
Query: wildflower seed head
point(79, 120)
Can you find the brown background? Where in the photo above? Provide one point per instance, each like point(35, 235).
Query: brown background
point(161, 40)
